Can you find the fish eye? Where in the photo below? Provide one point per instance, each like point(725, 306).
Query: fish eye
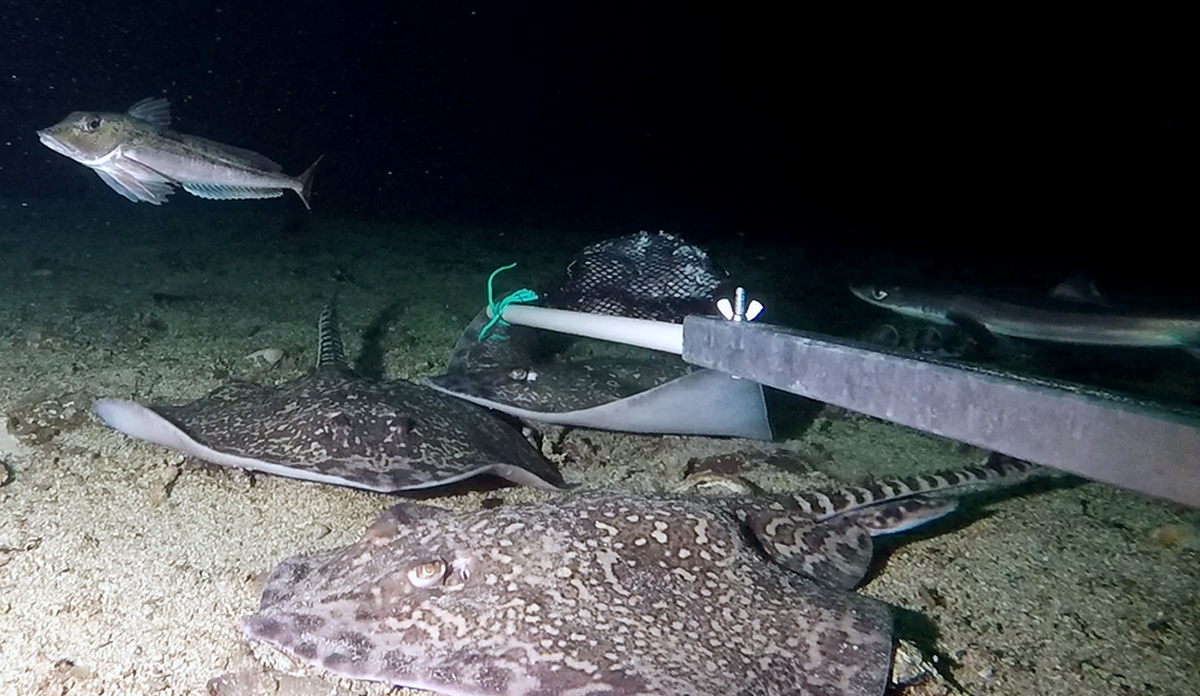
point(92, 123)
point(427, 574)
point(879, 294)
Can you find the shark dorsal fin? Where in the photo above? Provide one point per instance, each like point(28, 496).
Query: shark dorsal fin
point(155, 111)
point(1079, 288)
point(330, 351)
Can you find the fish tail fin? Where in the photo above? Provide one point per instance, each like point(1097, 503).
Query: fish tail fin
point(331, 352)
point(305, 179)
point(1191, 343)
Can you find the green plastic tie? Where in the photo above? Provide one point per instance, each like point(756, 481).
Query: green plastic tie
point(523, 295)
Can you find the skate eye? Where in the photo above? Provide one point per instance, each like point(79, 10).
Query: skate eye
point(427, 574)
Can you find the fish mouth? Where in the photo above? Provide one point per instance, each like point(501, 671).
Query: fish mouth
point(47, 138)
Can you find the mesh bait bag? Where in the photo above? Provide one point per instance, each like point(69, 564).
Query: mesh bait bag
point(648, 275)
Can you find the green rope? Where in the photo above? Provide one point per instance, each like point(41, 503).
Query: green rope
point(519, 296)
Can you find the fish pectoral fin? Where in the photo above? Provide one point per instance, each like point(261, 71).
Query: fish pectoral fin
point(224, 193)
point(902, 515)
point(835, 553)
point(118, 186)
point(973, 328)
point(136, 182)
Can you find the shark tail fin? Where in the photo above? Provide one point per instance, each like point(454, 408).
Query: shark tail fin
point(305, 180)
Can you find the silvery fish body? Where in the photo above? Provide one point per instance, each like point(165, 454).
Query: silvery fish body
point(140, 157)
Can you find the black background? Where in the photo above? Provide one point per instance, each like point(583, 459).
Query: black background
point(984, 137)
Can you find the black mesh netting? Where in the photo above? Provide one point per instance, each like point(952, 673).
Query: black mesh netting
point(648, 275)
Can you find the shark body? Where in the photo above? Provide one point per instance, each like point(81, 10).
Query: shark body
point(1080, 324)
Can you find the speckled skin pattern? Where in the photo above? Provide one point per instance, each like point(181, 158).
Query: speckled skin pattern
point(590, 593)
point(382, 436)
point(379, 435)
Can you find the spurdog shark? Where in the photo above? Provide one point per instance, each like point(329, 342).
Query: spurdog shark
point(1080, 324)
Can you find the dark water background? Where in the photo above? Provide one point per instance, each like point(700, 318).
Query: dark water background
point(993, 147)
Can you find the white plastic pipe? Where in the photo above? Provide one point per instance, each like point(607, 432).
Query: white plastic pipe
point(655, 335)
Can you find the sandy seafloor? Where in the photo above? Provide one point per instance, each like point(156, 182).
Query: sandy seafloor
point(126, 568)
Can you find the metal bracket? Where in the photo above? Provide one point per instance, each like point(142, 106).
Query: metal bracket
point(1102, 436)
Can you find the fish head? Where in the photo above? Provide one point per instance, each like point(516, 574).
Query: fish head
point(875, 294)
point(423, 588)
point(501, 602)
point(887, 297)
point(86, 136)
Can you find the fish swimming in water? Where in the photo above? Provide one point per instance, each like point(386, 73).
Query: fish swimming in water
point(138, 155)
point(1076, 323)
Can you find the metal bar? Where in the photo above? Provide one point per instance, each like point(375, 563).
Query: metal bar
point(1095, 434)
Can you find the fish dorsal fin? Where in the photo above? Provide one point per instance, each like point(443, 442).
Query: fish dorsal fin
point(155, 111)
point(330, 351)
point(1079, 288)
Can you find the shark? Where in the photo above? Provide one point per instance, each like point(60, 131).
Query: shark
point(1076, 322)
point(138, 155)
